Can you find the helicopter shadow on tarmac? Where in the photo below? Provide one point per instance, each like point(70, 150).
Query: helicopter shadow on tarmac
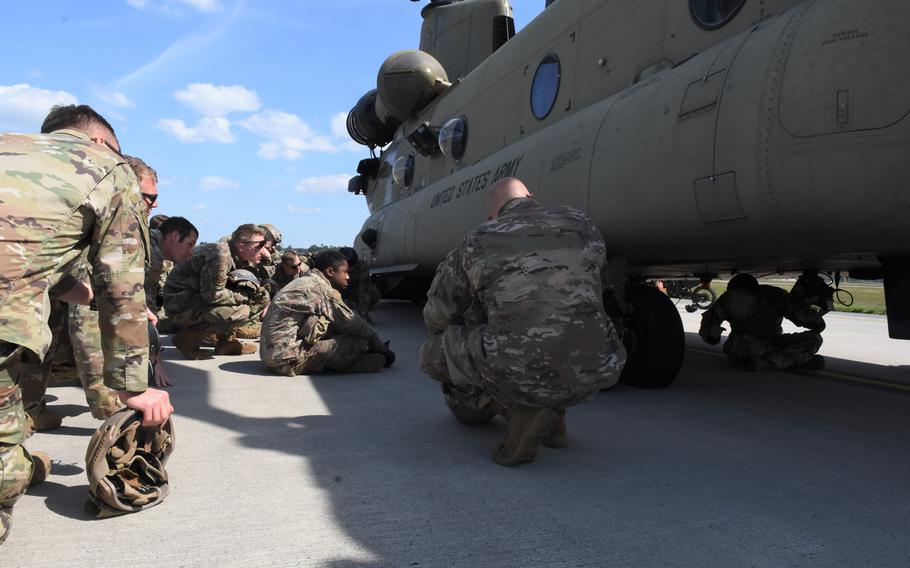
point(740, 462)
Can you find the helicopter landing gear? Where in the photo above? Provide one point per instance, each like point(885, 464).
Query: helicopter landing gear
point(654, 339)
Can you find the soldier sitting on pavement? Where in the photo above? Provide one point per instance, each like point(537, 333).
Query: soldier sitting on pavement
point(65, 192)
point(517, 321)
point(202, 298)
point(308, 327)
point(755, 313)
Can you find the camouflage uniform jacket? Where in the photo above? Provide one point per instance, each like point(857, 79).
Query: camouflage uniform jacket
point(303, 312)
point(61, 193)
point(282, 279)
point(203, 279)
point(758, 313)
point(157, 271)
point(527, 285)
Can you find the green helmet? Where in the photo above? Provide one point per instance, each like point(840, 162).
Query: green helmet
point(125, 465)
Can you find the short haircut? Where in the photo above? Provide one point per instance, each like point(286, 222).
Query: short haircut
point(156, 221)
point(350, 255)
point(183, 227)
point(140, 168)
point(80, 117)
point(328, 259)
point(246, 231)
point(289, 255)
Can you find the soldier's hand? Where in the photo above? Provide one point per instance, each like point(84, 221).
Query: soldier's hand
point(161, 378)
point(154, 404)
point(152, 317)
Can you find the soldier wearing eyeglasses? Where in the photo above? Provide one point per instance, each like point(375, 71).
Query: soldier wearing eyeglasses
point(201, 296)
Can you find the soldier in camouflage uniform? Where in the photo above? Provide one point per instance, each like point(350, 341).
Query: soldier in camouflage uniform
point(270, 264)
point(361, 295)
point(308, 327)
point(83, 330)
point(757, 341)
point(517, 321)
point(290, 267)
point(63, 192)
point(201, 297)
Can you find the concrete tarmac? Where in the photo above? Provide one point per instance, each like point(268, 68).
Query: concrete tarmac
point(725, 468)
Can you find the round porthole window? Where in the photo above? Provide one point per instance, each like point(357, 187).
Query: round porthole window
point(712, 14)
point(545, 86)
point(403, 170)
point(453, 138)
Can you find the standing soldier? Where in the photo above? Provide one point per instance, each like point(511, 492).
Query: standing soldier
point(517, 321)
point(83, 330)
point(63, 192)
point(204, 296)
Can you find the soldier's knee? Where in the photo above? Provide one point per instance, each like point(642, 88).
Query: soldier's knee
point(15, 473)
point(433, 359)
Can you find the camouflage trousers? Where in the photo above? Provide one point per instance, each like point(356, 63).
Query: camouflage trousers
point(458, 373)
point(35, 375)
point(15, 461)
point(85, 337)
point(207, 318)
point(457, 359)
point(334, 354)
point(780, 352)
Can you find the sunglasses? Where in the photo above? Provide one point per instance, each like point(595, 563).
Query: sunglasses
point(150, 197)
point(294, 265)
point(259, 244)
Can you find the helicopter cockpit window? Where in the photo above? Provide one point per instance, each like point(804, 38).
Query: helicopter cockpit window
point(545, 86)
point(453, 138)
point(403, 170)
point(712, 14)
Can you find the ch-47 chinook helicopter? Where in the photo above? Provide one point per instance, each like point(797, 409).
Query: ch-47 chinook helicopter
point(702, 136)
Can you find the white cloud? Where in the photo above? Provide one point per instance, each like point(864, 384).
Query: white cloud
point(23, 107)
point(287, 137)
point(166, 5)
point(336, 183)
point(199, 207)
point(208, 129)
point(218, 100)
point(215, 183)
point(117, 99)
point(304, 210)
point(340, 132)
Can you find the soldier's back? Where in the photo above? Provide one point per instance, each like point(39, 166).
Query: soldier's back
point(536, 269)
point(52, 191)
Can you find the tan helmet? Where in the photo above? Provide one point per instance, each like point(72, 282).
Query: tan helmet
point(273, 231)
point(125, 465)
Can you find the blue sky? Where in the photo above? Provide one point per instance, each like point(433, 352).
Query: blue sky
point(239, 105)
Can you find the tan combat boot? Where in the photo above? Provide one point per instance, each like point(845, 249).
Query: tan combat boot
point(366, 363)
point(41, 467)
point(230, 345)
point(558, 437)
point(250, 330)
point(43, 420)
point(526, 428)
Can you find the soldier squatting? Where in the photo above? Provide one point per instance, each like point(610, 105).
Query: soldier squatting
point(515, 313)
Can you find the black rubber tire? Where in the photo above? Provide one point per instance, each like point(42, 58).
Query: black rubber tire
point(654, 339)
point(704, 298)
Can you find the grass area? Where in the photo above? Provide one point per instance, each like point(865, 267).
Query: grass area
point(866, 299)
